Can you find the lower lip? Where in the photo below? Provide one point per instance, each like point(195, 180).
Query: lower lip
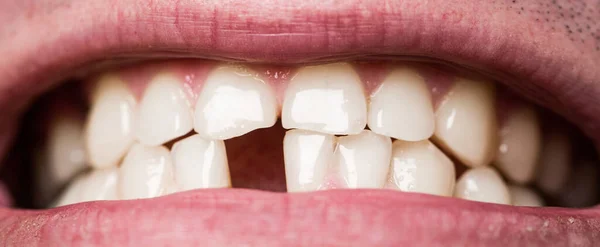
point(240, 217)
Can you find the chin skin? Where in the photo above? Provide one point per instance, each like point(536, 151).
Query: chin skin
point(547, 50)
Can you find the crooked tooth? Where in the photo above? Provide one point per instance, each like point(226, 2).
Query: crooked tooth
point(307, 156)
point(421, 167)
point(63, 157)
point(200, 163)
point(145, 172)
point(482, 184)
point(519, 146)
point(100, 185)
point(325, 98)
point(109, 126)
point(523, 196)
point(466, 122)
point(554, 167)
point(164, 112)
point(401, 107)
point(363, 159)
point(234, 102)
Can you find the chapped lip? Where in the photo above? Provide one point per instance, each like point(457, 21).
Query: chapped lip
point(52, 41)
point(238, 217)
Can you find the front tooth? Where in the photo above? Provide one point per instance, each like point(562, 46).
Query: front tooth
point(401, 107)
point(101, 185)
point(307, 157)
point(145, 172)
point(164, 112)
point(325, 98)
point(200, 163)
point(109, 126)
point(519, 146)
point(523, 196)
point(466, 122)
point(421, 167)
point(554, 167)
point(482, 184)
point(234, 102)
point(64, 155)
point(364, 159)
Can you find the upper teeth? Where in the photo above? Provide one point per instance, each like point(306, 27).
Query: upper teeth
point(317, 103)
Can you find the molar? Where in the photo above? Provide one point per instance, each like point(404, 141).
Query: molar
point(325, 98)
point(234, 102)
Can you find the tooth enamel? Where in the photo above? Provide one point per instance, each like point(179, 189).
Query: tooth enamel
point(364, 159)
point(109, 126)
point(554, 166)
point(519, 146)
point(307, 157)
point(523, 196)
point(145, 172)
point(100, 185)
point(164, 112)
point(401, 107)
point(466, 122)
point(73, 192)
point(64, 155)
point(421, 167)
point(200, 163)
point(482, 184)
point(234, 102)
point(325, 98)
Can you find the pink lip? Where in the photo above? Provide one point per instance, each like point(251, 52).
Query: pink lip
point(235, 217)
point(471, 34)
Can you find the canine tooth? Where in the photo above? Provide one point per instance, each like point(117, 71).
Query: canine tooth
point(109, 126)
point(325, 98)
point(482, 184)
point(145, 172)
point(307, 156)
point(164, 112)
point(401, 107)
point(200, 163)
point(234, 102)
point(519, 146)
point(100, 185)
point(363, 159)
point(421, 167)
point(466, 122)
point(73, 192)
point(523, 196)
point(63, 157)
point(554, 167)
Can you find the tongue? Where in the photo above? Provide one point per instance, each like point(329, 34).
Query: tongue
point(256, 159)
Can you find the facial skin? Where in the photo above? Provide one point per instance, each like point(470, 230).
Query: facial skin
point(549, 50)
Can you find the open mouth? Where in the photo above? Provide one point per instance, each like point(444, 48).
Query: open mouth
point(273, 123)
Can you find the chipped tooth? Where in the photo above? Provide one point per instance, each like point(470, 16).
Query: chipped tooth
point(523, 196)
point(63, 157)
point(363, 160)
point(307, 156)
point(554, 167)
point(401, 107)
point(109, 126)
point(145, 172)
point(519, 147)
point(100, 185)
point(325, 98)
point(200, 163)
point(482, 184)
point(73, 193)
point(466, 122)
point(421, 167)
point(164, 112)
point(234, 102)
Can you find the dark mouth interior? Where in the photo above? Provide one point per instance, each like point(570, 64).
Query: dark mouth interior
point(255, 159)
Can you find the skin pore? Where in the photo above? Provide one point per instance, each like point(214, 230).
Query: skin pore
point(547, 50)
